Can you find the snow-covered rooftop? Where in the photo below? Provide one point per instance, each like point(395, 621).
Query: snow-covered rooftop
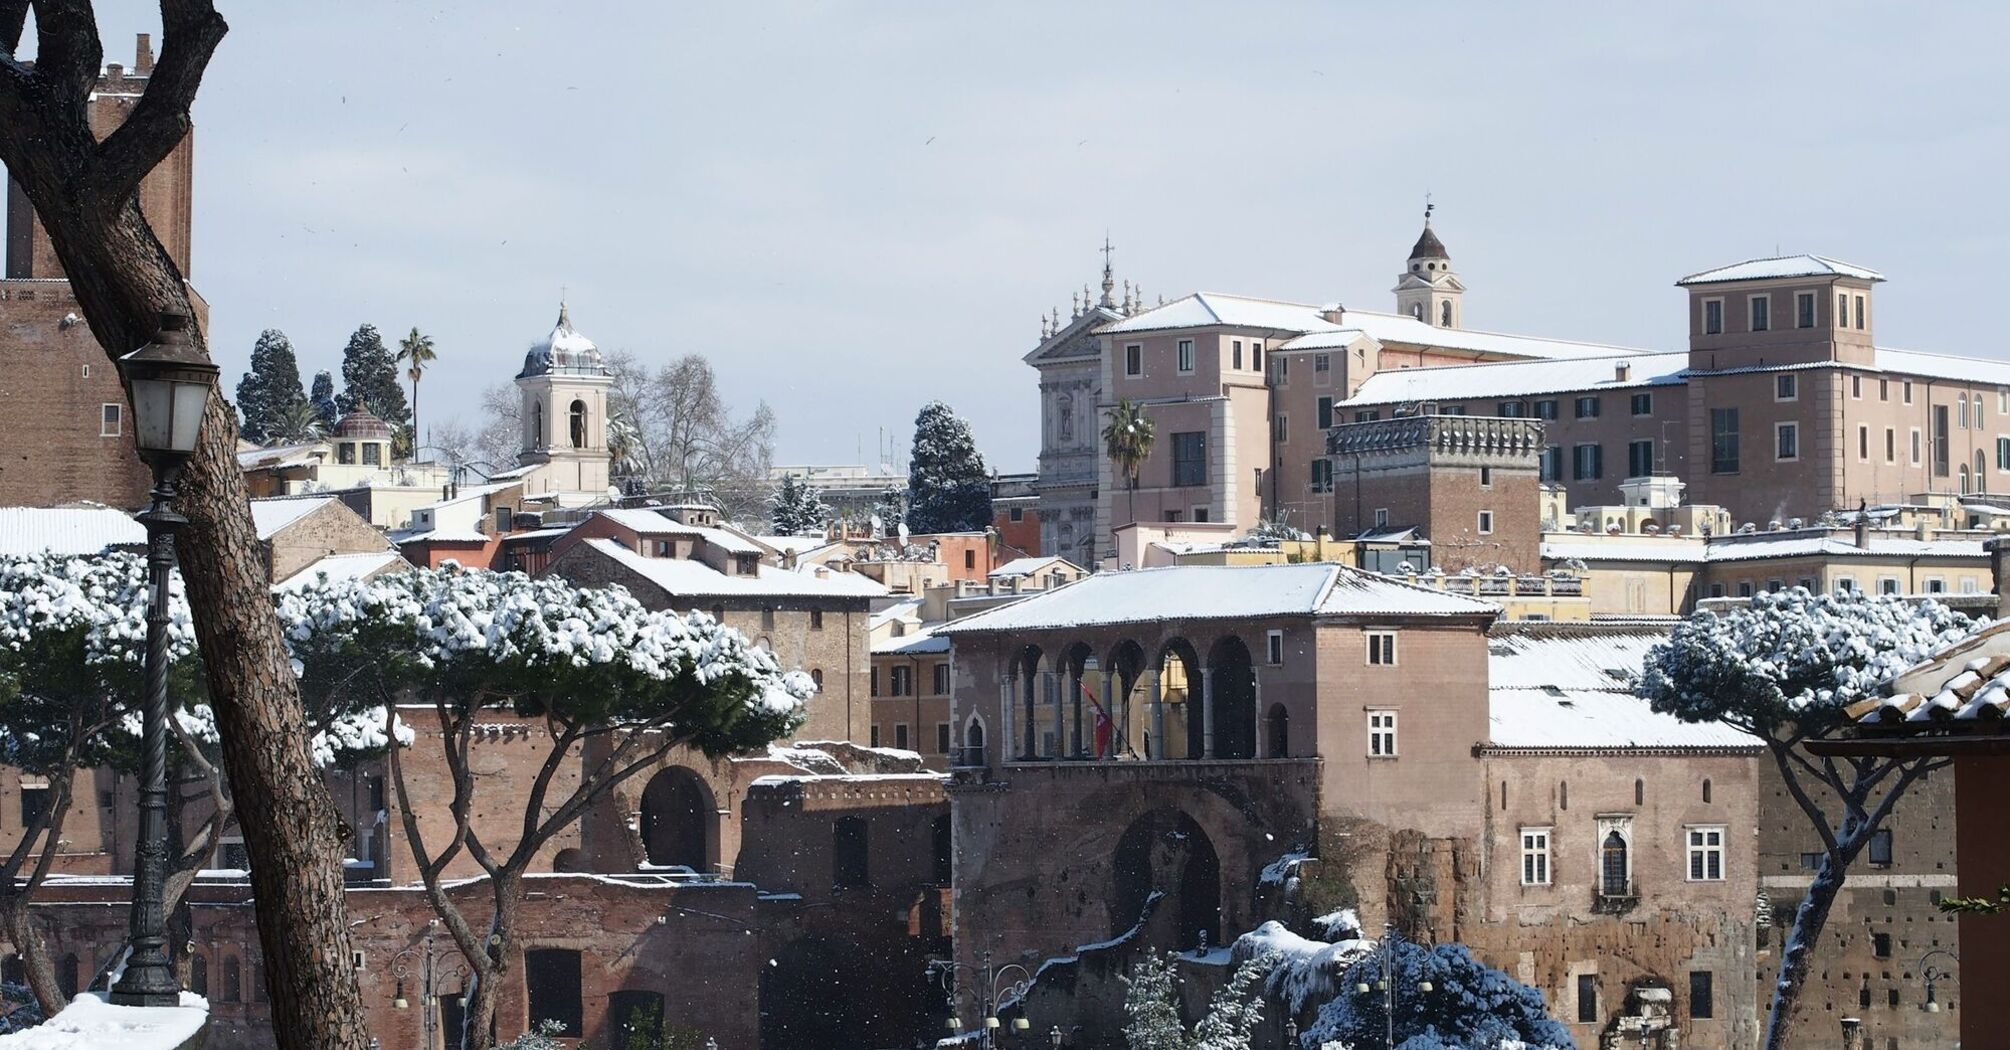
point(271, 515)
point(341, 567)
point(281, 456)
point(1967, 683)
point(1782, 266)
point(1212, 592)
point(1757, 546)
point(1512, 379)
point(683, 577)
point(927, 641)
point(644, 521)
point(67, 530)
point(1027, 566)
point(1570, 686)
point(563, 351)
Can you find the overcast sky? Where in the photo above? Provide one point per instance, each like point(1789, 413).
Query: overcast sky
point(854, 208)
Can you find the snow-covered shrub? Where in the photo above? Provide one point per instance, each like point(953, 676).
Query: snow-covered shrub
point(1471, 1006)
point(1151, 1003)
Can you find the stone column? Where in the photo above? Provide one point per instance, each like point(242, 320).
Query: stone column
point(1256, 711)
point(1207, 712)
point(1074, 704)
point(1158, 745)
point(1006, 697)
point(1110, 711)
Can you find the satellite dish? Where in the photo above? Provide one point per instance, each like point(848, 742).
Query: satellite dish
point(903, 533)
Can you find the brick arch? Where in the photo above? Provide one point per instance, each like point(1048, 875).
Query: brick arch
point(679, 820)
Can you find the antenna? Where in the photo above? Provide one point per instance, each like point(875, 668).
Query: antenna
point(1428, 207)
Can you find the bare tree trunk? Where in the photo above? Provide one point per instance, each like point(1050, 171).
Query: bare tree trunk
point(1810, 919)
point(84, 193)
point(501, 949)
point(17, 916)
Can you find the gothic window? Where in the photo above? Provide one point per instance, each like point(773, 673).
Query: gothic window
point(1445, 314)
point(579, 424)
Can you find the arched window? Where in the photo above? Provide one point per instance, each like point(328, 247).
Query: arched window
point(1445, 314)
point(536, 425)
point(1981, 473)
point(1612, 869)
point(1417, 311)
point(1563, 794)
point(1964, 477)
point(817, 676)
point(850, 858)
point(1639, 792)
point(579, 424)
point(198, 974)
point(233, 980)
point(1706, 790)
point(1504, 795)
point(973, 742)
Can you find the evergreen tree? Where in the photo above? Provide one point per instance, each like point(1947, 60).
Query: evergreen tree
point(270, 391)
point(370, 378)
point(891, 506)
point(323, 399)
point(1152, 1006)
point(948, 488)
point(796, 509)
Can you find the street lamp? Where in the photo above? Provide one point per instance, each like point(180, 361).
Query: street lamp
point(431, 975)
point(168, 382)
point(992, 991)
point(1055, 1037)
point(1931, 975)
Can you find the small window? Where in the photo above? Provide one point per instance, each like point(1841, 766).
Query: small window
point(1587, 996)
point(1786, 387)
point(373, 453)
point(1189, 455)
point(1587, 462)
point(503, 519)
point(1381, 517)
point(970, 559)
point(900, 735)
point(1706, 854)
point(1643, 404)
point(1274, 646)
point(1256, 355)
point(873, 736)
point(1235, 360)
point(1905, 391)
point(1545, 409)
point(1587, 407)
point(1887, 585)
point(1702, 997)
point(1016, 514)
point(1134, 360)
point(1640, 458)
point(941, 738)
point(111, 420)
point(1486, 477)
point(1861, 323)
point(1842, 310)
point(1382, 734)
point(1786, 441)
point(816, 619)
point(1744, 588)
point(1281, 429)
point(1325, 413)
point(1185, 351)
point(1880, 945)
point(1804, 309)
point(1486, 525)
point(941, 679)
point(1535, 856)
point(1713, 317)
point(34, 804)
point(1762, 313)
point(1890, 445)
point(1845, 584)
point(1880, 847)
point(767, 619)
point(1856, 387)
point(1322, 475)
point(1863, 444)
point(1382, 648)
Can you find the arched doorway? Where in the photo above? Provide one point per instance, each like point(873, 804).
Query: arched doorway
point(1166, 852)
point(677, 817)
point(1278, 724)
point(1232, 681)
point(1179, 693)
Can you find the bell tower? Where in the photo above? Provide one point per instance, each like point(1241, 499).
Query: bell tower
point(563, 387)
point(1428, 290)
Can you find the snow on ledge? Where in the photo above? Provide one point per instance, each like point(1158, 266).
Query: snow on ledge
point(91, 1023)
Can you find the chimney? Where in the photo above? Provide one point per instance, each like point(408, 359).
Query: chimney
point(1336, 314)
point(143, 62)
point(1621, 372)
point(1923, 531)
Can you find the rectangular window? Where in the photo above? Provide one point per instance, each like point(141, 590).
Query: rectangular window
point(34, 804)
point(1762, 312)
point(1713, 317)
point(903, 681)
point(816, 619)
point(1887, 585)
point(1368, 415)
point(1382, 734)
point(1552, 463)
point(1845, 584)
point(1880, 945)
point(1545, 409)
point(1936, 585)
point(1884, 390)
point(1587, 998)
point(1235, 358)
point(874, 690)
point(1804, 309)
point(1859, 313)
point(1273, 645)
point(941, 679)
point(1640, 458)
point(1256, 355)
point(1863, 444)
point(1486, 524)
point(1325, 413)
point(1940, 441)
point(1915, 446)
point(1382, 648)
point(1723, 441)
point(551, 979)
point(1643, 404)
point(1706, 854)
point(1856, 387)
point(1786, 441)
point(1322, 367)
point(1486, 477)
point(1189, 458)
point(941, 738)
point(1282, 429)
point(111, 420)
point(1744, 588)
point(1134, 360)
point(1880, 847)
point(1961, 412)
point(1890, 445)
point(1511, 409)
point(1905, 391)
point(900, 735)
point(1587, 408)
point(1200, 514)
point(1702, 994)
point(373, 453)
point(1587, 462)
point(1185, 355)
point(2003, 453)
point(1381, 517)
point(874, 736)
point(1322, 475)
point(1535, 856)
point(1785, 388)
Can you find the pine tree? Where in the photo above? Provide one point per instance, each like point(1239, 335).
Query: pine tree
point(323, 399)
point(796, 509)
point(269, 391)
point(370, 379)
point(947, 486)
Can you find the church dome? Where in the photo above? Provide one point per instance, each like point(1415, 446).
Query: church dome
point(563, 352)
point(362, 425)
point(1429, 246)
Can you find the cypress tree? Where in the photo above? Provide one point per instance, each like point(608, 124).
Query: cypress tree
point(269, 391)
point(948, 489)
point(370, 378)
point(323, 397)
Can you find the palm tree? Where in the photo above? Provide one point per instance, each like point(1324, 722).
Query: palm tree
point(297, 424)
point(1128, 441)
point(416, 350)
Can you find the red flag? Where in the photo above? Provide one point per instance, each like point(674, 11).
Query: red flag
point(1105, 729)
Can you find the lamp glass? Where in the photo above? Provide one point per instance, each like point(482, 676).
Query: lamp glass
point(400, 1003)
point(991, 1022)
point(189, 399)
point(1423, 986)
point(953, 1023)
point(153, 413)
point(1020, 1024)
point(1361, 988)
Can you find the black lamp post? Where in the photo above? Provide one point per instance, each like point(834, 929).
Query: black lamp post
point(168, 382)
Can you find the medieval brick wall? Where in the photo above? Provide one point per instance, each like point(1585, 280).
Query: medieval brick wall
point(55, 384)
